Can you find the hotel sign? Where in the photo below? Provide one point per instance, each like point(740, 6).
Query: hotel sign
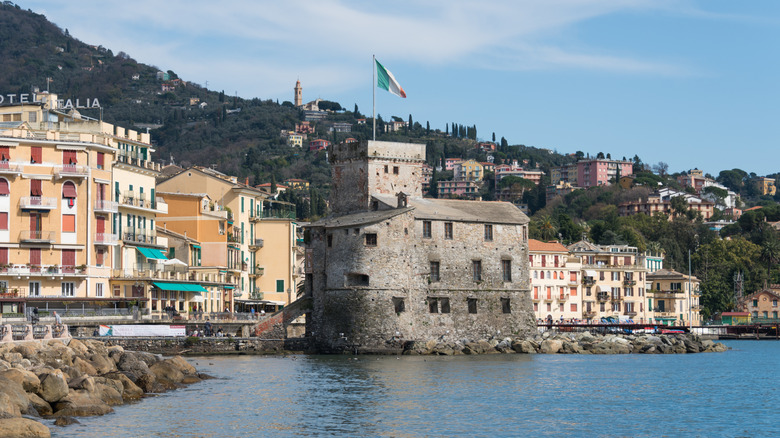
point(61, 103)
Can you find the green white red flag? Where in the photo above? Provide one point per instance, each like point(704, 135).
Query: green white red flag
point(386, 81)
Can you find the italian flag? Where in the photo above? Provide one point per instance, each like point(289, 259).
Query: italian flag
point(386, 81)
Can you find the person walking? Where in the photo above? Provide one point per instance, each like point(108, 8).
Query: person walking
point(57, 318)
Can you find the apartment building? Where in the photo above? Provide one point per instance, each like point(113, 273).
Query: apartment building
point(555, 281)
point(673, 298)
point(258, 242)
point(613, 281)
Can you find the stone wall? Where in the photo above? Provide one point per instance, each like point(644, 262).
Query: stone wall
point(199, 346)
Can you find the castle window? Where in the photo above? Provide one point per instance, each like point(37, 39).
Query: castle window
point(506, 270)
point(476, 270)
point(395, 170)
point(472, 304)
point(439, 305)
point(448, 230)
point(398, 304)
point(426, 229)
point(370, 239)
point(488, 233)
point(386, 168)
point(357, 280)
point(506, 306)
point(435, 272)
point(330, 240)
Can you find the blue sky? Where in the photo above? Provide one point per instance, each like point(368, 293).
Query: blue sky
point(690, 83)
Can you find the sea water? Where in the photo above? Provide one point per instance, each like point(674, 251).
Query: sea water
point(504, 395)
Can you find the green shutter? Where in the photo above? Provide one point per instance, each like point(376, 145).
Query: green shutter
point(280, 285)
point(242, 204)
point(116, 191)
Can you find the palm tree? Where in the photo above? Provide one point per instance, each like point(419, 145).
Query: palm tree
point(547, 228)
point(771, 253)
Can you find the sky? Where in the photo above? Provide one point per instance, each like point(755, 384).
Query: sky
point(693, 84)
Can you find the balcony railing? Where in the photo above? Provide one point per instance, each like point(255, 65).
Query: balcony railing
point(106, 207)
point(37, 203)
point(70, 171)
point(138, 200)
point(563, 297)
point(588, 281)
point(629, 283)
point(36, 236)
point(602, 296)
point(139, 235)
point(43, 270)
point(106, 239)
point(257, 270)
point(7, 168)
point(256, 244)
point(617, 297)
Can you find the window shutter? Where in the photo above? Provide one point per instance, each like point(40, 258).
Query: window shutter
point(35, 187)
point(5, 153)
point(69, 190)
point(4, 188)
point(3, 256)
point(4, 221)
point(101, 160)
point(35, 256)
point(36, 154)
point(68, 257)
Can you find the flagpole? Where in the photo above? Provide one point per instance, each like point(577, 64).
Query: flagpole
point(373, 87)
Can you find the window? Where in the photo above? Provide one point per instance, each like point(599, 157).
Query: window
point(476, 270)
point(3, 256)
point(280, 285)
point(435, 272)
point(386, 168)
point(448, 230)
point(3, 221)
point(5, 189)
point(472, 305)
point(439, 305)
point(774, 303)
point(100, 257)
point(370, 239)
point(99, 289)
point(36, 153)
point(426, 229)
point(330, 240)
point(399, 305)
point(357, 280)
point(506, 270)
point(489, 233)
point(5, 153)
point(68, 289)
point(101, 160)
point(629, 307)
point(35, 289)
point(755, 303)
point(601, 275)
point(35, 187)
point(395, 170)
point(506, 306)
point(68, 223)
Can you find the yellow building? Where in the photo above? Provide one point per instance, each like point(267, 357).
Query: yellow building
point(673, 298)
point(766, 186)
point(295, 140)
point(258, 253)
point(296, 184)
point(469, 170)
point(555, 281)
point(613, 281)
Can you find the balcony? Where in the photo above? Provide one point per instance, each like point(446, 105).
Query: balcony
point(139, 201)
point(7, 168)
point(630, 313)
point(130, 234)
point(70, 171)
point(44, 271)
point(257, 271)
point(549, 299)
point(563, 297)
point(617, 297)
point(629, 283)
point(106, 239)
point(588, 281)
point(254, 218)
point(256, 244)
point(37, 203)
point(31, 236)
point(535, 298)
point(602, 296)
point(106, 207)
point(667, 293)
point(588, 313)
point(697, 307)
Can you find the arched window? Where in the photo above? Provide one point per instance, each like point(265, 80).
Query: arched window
point(5, 189)
point(69, 192)
point(536, 274)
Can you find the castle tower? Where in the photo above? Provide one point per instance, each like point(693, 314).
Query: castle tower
point(374, 167)
point(298, 94)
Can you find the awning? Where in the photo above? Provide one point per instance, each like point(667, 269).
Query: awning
point(184, 287)
point(589, 273)
point(601, 288)
point(198, 298)
point(151, 253)
point(196, 246)
point(229, 287)
point(69, 190)
point(275, 303)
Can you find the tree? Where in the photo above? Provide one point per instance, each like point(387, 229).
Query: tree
point(600, 156)
point(679, 205)
point(661, 169)
point(427, 127)
point(494, 137)
point(770, 252)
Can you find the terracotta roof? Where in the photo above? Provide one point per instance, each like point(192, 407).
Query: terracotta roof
point(538, 245)
point(735, 314)
point(757, 207)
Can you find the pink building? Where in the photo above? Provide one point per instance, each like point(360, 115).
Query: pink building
point(600, 172)
point(514, 170)
point(457, 188)
point(449, 163)
point(318, 145)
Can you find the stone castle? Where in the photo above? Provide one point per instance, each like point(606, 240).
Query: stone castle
point(389, 266)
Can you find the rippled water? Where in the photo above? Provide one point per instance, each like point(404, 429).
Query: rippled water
point(719, 394)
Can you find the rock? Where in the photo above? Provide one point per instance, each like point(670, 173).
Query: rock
point(130, 363)
point(40, 405)
point(13, 399)
point(28, 350)
point(53, 387)
point(29, 381)
point(80, 403)
point(526, 347)
point(719, 348)
point(83, 382)
point(103, 364)
point(551, 346)
point(130, 391)
point(110, 392)
point(65, 421)
point(13, 358)
point(23, 428)
point(182, 365)
point(78, 347)
point(148, 383)
point(572, 348)
point(84, 367)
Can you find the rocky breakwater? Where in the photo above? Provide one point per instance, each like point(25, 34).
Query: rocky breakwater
point(573, 343)
point(72, 378)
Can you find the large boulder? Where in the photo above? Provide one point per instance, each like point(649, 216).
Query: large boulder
point(551, 346)
point(40, 405)
point(102, 364)
point(13, 398)
point(84, 367)
point(28, 350)
point(525, 346)
point(54, 387)
point(148, 383)
point(78, 347)
point(130, 391)
point(132, 365)
point(29, 381)
point(80, 403)
point(23, 428)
